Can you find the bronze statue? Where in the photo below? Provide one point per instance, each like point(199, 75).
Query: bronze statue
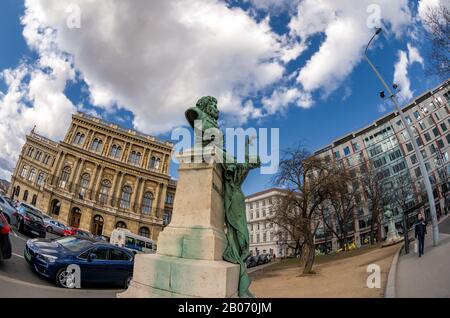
point(234, 174)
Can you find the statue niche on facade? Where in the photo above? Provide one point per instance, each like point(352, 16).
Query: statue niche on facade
point(234, 174)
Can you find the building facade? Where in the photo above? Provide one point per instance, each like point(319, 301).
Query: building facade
point(265, 236)
point(100, 177)
point(385, 144)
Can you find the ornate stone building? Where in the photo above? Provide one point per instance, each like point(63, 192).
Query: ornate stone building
point(100, 177)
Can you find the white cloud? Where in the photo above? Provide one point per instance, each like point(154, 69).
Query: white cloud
point(155, 58)
point(414, 55)
point(425, 6)
point(344, 25)
point(405, 60)
point(283, 97)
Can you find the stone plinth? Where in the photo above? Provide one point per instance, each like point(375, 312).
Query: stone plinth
point(188, 262)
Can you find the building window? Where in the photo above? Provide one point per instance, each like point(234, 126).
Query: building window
point(413, 159)
point(78, 139)
point(144, 231)
point(443, 127)
point(31, 175)
point(38, 155)
point(121, 225)
point(169, 198)
point(96, 145)
point(24, 171)
point(166, 218)
point(440, 143)
point(17, 191)
point(116, 151)
point(25, 196)
point(432, 149)
point(355, 146)
point(40, 179)
point(147, 202)
point(409, 147)
point(157, 163)
point(346, 151)
point(126, 197)
point(422, 125)
point(337, 155)
point(30, 151)
point(135, 158)
point(427, 136)
point(435, 132)
point(65, 174)
point(104, 191)
point(84, 184)
point(417, 115)
point(34, 200)
point(424, 154)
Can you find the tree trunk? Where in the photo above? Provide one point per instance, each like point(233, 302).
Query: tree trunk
point(309, 253)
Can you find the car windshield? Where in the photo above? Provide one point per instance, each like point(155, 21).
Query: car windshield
point(33, 216)
point(73, 244)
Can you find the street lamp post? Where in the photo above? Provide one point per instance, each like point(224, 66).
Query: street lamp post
point(419, 156)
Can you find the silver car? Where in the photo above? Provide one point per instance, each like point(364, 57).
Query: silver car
point(7, 209)
point(53, 226)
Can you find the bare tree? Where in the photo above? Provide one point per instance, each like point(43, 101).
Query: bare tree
point(375, 194)
point(302, 177)
point(404, 194)
point(437, 30)
point(338, 210)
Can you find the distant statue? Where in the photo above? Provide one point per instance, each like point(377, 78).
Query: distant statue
point(392, 234)
point(234, 174)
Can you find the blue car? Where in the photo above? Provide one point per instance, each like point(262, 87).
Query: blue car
point(98, 262)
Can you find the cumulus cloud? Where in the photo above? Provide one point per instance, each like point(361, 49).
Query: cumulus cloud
point(346, 30)
point(283, 97)
point(404, 61)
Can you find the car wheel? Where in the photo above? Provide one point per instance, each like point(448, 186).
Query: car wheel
point(127, 282)
point(61, 278)
point(49, 229)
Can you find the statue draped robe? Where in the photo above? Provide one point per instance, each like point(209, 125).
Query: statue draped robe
point(237, 250)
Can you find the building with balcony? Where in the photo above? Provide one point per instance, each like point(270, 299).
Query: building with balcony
point(100, 177)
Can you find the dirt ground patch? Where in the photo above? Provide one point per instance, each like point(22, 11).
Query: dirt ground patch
point(338, 275)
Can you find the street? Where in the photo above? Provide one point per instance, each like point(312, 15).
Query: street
point(18, 280)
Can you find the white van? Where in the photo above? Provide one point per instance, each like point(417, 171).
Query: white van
point(133, 242)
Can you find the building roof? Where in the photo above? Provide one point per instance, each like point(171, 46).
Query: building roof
point(253, 195)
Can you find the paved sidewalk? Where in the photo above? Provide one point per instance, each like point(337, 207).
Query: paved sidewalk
point(428, 276)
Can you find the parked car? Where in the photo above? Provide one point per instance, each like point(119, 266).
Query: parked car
point(7, 208)
point(72, 231)
point(98, 262)
point(262, 259)
point(5, 242)
point(29, 221)
point(101, 238)
point(53, 226)
point(252, 261)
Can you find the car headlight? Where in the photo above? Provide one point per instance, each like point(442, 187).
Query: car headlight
point(48, 258)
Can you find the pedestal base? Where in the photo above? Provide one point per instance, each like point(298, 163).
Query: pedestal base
point(170, 277)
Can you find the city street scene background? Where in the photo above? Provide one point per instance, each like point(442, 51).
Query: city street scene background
point(349, 102)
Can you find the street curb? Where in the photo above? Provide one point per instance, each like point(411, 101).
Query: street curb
point(392, 276)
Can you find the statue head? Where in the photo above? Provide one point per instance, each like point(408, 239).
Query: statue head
point(387, 212)
point(205, 110)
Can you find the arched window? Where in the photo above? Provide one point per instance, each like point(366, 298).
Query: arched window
point(38, 155)
point(147, 201)
point(104, 191)
point(84, 184)
point(64, 179)
point(78, 139)
point(121, 225)
point(31, 175)
point(24, 171)
point(116, 151)
point(96, 145)
point(126, 197)
point(40, 179)
point(30, 151)
point(97, 225)
point(25, 195)
point(135, 158)
point(17, 193)
point(55, 207)
point(152, 163)
point(144, 231)
point(34, 199)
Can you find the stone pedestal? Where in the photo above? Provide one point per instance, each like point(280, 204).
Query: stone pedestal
point(188, 262)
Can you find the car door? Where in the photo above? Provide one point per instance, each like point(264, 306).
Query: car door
point(95, 270)
point(121, 266)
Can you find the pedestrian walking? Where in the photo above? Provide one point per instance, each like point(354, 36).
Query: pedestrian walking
point(420, 231)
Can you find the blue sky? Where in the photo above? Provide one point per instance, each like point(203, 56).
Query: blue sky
point(122, 77)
